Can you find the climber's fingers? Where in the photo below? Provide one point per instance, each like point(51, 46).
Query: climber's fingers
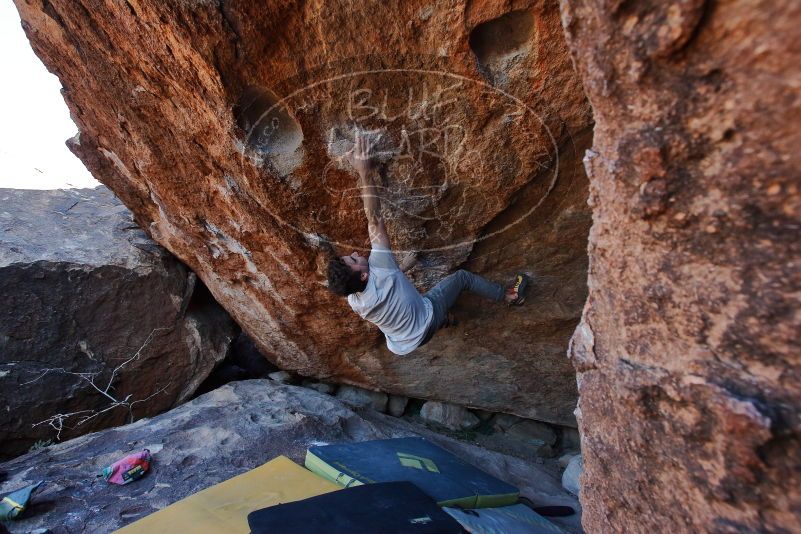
point(354, 154)
point(360, 152)
point(361, 147)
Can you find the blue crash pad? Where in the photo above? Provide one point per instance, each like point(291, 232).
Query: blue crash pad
point(441, 475)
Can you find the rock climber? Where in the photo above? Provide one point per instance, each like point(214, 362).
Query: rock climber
point(377, 288)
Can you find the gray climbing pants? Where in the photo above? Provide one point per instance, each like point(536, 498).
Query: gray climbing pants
point(443, 296)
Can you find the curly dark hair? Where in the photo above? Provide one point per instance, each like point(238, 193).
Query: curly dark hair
point(342, 280)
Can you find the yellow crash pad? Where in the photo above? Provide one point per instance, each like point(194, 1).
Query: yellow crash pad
point(224, 507)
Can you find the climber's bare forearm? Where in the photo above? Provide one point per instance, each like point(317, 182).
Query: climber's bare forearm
point(362, 161)
point(369, 192)
point(372, 209)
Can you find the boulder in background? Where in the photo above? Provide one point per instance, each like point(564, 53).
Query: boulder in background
point(94, 310)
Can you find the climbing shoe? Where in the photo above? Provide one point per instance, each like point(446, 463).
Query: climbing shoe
point(516, 295)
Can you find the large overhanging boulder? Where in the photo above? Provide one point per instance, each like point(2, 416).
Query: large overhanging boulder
point(99, 324)
point(688, 350)
point(222, 125)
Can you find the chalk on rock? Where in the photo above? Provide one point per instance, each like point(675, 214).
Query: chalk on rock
point(571, 476)
point(449, 415)
point(397, 405)
point(356, 396)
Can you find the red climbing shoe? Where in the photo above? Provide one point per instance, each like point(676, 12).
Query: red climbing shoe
point(516, 295)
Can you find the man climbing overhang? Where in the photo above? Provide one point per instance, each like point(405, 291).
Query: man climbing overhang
point(377, 288)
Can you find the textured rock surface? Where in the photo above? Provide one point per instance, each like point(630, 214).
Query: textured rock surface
point(243, 362)
point(523, 428)
point(354, 396)
point(174, 104)
point(397, 405)
point(83, 290)
point(522, 438)
point(282, 377)
point(571, 478)
point(215, 437)
point(320, 387)
point(688, 350)
point(564, 460)
point(449, 415)
point(530, 437)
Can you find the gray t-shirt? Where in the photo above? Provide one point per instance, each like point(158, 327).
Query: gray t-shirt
point(392, 303)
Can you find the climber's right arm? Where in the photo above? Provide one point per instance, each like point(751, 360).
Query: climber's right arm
point(372, 209)
point(364, 165)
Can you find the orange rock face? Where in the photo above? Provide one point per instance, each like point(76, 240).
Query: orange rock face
point(687, 352)
point(222, 127)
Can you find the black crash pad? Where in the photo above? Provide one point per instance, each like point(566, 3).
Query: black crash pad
point(385, 508)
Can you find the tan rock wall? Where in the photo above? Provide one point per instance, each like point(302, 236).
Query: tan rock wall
point(687, 352)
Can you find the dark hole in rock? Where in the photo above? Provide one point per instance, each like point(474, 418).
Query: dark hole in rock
point(269, 127)
point(244, 361)
point(499, 41)
point(200, 300)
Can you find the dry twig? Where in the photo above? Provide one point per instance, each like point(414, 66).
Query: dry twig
point(58, 421)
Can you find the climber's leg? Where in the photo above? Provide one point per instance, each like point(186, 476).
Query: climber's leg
point(443, 296)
